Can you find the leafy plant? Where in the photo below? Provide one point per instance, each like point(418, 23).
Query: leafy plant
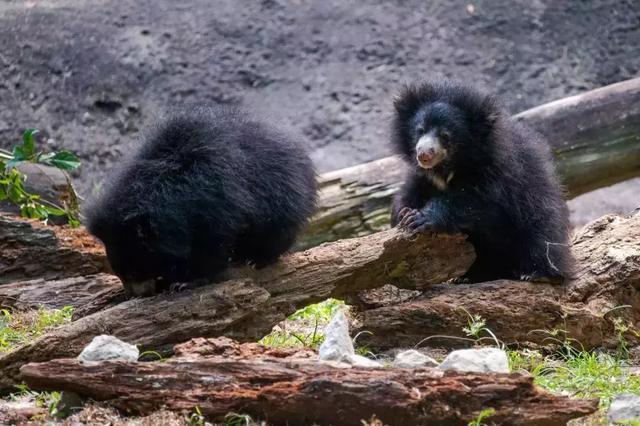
point(234, 419)
point(479, 421)
point(476, 325)
point(12, 180)
point(49, 400)
point(196, 418)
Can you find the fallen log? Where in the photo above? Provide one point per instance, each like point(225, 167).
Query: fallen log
point(606, 288)
point(595, 136)
point(55, 294)
point(29, 249)
point(249, 305)
point(284, 389)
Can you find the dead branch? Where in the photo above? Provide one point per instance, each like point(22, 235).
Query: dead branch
point(286, 388)
point(29, 249)
point(54, 294)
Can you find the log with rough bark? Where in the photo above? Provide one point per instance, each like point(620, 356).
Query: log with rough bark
point(55, 294)
point(251, 303)
point(606, 288)
point(595, 136)
point(219, 377)
point(29, 249)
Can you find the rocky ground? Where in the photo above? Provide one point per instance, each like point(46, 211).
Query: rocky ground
point(91, 73)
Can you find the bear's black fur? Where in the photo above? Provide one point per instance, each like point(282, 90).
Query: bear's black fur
point(476, 171)
point(207, 188)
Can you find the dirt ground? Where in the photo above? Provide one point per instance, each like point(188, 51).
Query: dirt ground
point(91, 73)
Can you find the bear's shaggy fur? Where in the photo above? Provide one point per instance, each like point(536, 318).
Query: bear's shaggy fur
point(476, 171)
point(207, 188)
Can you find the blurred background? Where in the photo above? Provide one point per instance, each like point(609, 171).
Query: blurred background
point(90, 74)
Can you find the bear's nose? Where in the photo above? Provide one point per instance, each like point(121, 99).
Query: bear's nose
point(426, 155)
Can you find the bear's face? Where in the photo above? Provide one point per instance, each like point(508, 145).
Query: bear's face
point(134, 250)
point(444, 128)
point(437, 131)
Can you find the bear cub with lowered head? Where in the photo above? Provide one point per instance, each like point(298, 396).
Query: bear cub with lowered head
point(207, 188)
point(475, 171)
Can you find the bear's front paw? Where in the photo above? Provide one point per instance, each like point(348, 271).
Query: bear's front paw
point(403, 212)
point(416, 221)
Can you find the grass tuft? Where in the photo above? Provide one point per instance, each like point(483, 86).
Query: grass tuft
point(18, 327)
point(304, 328)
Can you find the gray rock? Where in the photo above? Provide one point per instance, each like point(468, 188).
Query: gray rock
point(337, 345)
point(106, 347)
point(624, 407)
point(413, 359)
point(485, 360)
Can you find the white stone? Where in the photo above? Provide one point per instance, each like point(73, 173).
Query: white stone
point(106, 347)
point(337, 345)
point(485, 360)
point(362, 361)
point(413, 359)
point(624, 407)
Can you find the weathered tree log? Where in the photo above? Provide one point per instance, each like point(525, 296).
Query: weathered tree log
point(248, 306)
point(607, 277)
point(29, 249)
point(595, 136)
point(285, 389)
point(75, 291)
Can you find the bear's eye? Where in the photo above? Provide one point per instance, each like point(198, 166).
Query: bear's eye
point(421, 130)
point(445, 135)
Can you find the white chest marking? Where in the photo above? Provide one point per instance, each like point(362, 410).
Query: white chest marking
point(440, 182)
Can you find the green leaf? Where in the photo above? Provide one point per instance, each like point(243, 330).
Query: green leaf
point(28, 142)
point(26, 151)
point(45, 158)
point(56, 211)
point(64, 160)
point(73, 221)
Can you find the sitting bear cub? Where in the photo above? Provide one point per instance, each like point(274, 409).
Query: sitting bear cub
point(476, 171)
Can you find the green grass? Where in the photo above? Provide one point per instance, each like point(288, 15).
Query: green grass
point(17, 327)
point(304, 328)
point(580, 374)
point(479, 421)
point(48, 400)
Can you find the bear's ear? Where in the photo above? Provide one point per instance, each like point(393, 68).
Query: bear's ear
point(491, 110)
point(407, 101)
point(412, 97)
point(484, 111)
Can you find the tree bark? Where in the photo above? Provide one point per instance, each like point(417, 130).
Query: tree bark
point(606, 288)
point(55, 294)
point(595, 136)
point(252, 302)
point(284, 388)
point(29, 249)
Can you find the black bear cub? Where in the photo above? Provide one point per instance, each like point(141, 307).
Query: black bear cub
point(206, 189)
point(476, 171)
